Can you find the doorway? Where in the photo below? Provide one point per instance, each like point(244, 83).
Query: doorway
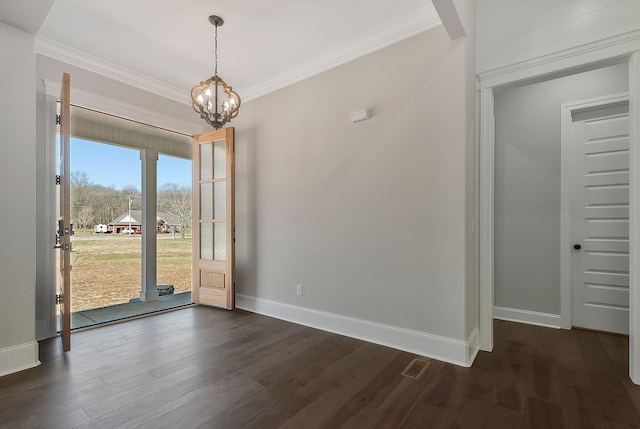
point(529, 256)
point(540, 71)
point(107, 201)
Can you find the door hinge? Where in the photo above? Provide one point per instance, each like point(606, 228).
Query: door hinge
point(57, 119)
point(59, 299)
point(57, 179)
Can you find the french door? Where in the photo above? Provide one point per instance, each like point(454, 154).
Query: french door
point(63, 241)
point(213, 266)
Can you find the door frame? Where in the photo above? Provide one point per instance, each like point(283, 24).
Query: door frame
point(595, 55)
point(46, 289)
point(566, 114)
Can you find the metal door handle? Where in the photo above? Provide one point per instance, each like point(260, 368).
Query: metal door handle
point(577, 246)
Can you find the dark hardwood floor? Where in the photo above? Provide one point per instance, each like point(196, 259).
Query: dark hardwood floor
point(206, 368)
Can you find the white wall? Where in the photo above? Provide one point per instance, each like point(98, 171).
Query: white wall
point(527, 185)
point(512, 31)
point(18, 349)
point(368, 217)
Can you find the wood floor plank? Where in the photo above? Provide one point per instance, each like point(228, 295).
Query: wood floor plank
point(543, 414)
point(24, 422)
point(611, 395)
point(372, 395)
point(210, 368)
point(334, 387)
point(399, 403)
point(198, 406)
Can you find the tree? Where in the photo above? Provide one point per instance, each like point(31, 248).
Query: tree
point(84, 217)
point(176, 200)
point(93, 204)
point(80, 187)
point(80, 179)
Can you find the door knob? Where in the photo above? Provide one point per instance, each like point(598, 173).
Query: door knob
point(577, 246)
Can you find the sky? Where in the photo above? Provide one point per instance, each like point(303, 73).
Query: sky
point(114, 165)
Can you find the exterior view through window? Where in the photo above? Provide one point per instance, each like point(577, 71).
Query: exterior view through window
point(106, 212)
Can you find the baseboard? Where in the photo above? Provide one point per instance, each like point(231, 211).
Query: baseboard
point(473, 346)
point(18, 358)
point(437, 347)
point(526, 316)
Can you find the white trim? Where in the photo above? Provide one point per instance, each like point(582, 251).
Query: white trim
point(52, 49)
point(627, 45)
point(450, 18)
point(446, 349)
point(42, 329)
point(111, 106)
point(634, 217)
point(392, 32)
point(387, 34)
point(529, 317)
point(18, 358)
point(46, 328)
point(487, 147)
point(602, 50)
point(472, 346)
point(566, 155)
point(565, 217)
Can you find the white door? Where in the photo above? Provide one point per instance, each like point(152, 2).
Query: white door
point(600, 218)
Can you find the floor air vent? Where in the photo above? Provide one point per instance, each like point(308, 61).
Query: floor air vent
point(416, 368)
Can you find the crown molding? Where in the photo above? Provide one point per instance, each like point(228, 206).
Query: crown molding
point(52, 49)
point(392, 32)
point(590, 53)
point(110, 106)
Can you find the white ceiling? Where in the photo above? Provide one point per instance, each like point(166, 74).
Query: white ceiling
point(167, 46)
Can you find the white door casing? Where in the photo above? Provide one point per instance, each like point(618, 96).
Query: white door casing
point(627, 49)
point(595, 224)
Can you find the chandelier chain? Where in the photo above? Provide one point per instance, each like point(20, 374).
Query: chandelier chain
point(216, 51)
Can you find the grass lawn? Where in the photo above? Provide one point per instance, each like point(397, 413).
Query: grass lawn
point(108, 268)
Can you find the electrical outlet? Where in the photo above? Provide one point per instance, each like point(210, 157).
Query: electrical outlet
point(299, 290)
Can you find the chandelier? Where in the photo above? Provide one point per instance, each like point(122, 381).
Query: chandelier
point(215, 101)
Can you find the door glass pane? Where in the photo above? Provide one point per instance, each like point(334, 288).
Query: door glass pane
point(206, 191)
point(205, 161)
point(220, 159)
point(220, 200)
point(206, 240)
point(221, 241)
